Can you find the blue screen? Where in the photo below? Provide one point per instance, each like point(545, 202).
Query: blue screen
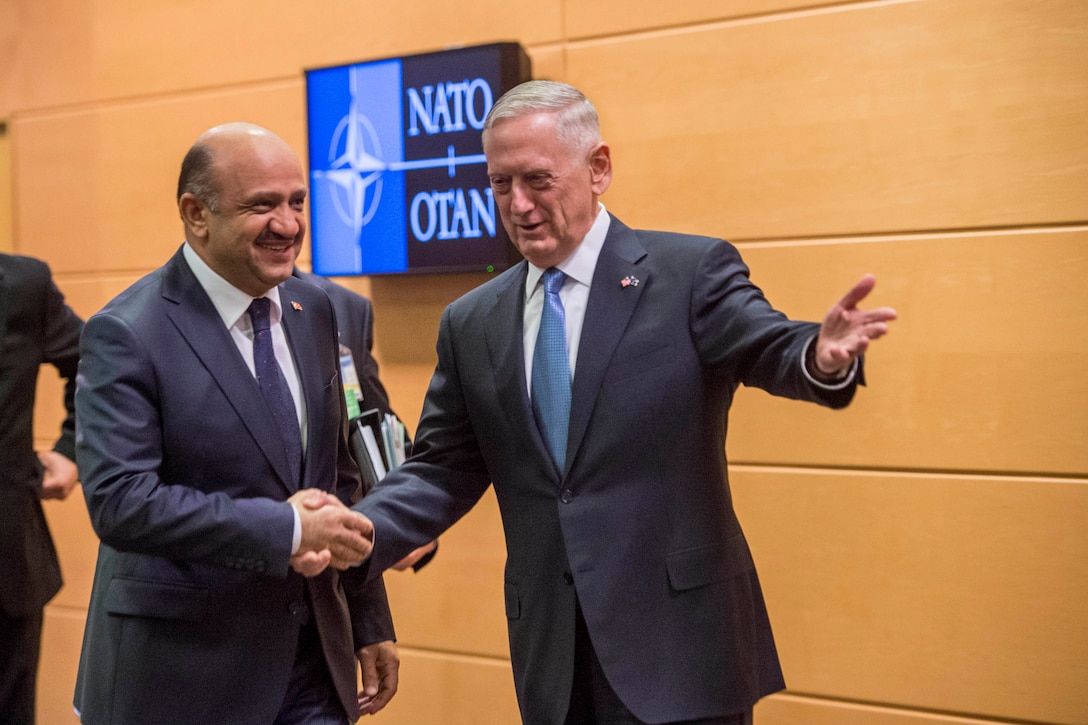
point(398, 180)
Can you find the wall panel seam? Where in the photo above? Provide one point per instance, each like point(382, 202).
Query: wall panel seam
point(947, 716)
point(731, 22)
point(891, 472)
point(1072, 226)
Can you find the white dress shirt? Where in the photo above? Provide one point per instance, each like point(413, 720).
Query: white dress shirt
point(579, 268)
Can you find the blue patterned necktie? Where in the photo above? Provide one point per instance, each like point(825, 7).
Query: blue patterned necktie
point(274, 385)
point(551, 370)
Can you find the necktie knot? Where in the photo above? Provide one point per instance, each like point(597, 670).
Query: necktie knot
point(553, 280)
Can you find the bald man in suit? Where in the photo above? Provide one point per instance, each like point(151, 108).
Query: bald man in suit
point(209, 406)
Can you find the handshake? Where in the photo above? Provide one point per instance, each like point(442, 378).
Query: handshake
point(332, 534)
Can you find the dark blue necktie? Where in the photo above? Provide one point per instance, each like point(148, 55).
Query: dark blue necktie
point(274, 386)
point(551, 370)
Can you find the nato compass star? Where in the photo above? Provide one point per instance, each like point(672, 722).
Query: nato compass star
point(356, 166)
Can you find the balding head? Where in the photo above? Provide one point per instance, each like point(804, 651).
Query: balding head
point(197, 168)
point(241, 194)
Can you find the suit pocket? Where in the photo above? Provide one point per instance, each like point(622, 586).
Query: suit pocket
point(161, 600)
point(513, 600)
point(703, 565)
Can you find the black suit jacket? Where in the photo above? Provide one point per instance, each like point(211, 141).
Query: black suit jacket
point(194, 613)
point(640, 525)
point(36, 328)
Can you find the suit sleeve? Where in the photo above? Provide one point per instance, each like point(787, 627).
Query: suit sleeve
point(60, 348)
point(120, 456)
point(740, 334)
point(443, 479)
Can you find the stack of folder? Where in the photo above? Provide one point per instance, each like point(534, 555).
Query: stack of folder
point(377, 444)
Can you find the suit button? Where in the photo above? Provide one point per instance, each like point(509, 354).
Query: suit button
point(566, 495)
point(568, 577)
point(296, 609)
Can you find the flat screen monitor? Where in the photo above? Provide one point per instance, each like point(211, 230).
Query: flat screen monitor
point(398, 179)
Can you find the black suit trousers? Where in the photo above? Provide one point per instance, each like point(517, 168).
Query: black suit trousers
point(594, 702)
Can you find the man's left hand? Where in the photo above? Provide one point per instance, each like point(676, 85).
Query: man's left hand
point(847, 331)
point(380, 665)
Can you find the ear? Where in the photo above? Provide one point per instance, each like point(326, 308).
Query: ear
point(194, 215)
point(600, 168)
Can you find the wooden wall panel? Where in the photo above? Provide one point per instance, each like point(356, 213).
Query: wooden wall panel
point(46, 53)
point(451, 690)
point(116, 48)
point(983, 370)
point(96, 189)
point(606, 17)
point(948, 593)
point(77, 548)
point(62, 636)
point(889, 117)
point(788, 709)
point(407, 312)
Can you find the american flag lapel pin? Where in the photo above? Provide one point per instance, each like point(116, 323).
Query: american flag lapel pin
point(297, 307)
point(629, 281)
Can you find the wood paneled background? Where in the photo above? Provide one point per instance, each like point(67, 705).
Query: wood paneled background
point(925, 552)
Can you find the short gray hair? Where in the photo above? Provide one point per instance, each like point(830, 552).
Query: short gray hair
point(577, 123)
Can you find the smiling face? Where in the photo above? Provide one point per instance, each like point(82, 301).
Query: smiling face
point(255, 231)
point(546, 190)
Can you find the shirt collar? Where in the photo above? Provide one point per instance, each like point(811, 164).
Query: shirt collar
point(231, 303)
point(581, 263)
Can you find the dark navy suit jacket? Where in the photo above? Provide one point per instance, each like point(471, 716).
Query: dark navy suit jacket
point(640, 525)
point(195, 614)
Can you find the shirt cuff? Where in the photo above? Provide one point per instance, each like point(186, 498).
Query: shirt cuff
point(840, 383)
point(296, 535)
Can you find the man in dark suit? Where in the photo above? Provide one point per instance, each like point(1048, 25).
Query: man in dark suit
point(631, 595)
point(209, 406)
point(36, 327)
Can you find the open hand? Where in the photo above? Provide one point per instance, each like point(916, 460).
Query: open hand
point(847, 330)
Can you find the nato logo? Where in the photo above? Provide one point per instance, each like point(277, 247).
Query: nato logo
point(398, 179)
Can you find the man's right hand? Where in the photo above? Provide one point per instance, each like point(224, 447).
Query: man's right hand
point(332, 534)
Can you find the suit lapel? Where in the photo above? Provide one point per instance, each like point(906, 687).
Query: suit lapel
point(299, 327)
point(505, 334)
point(610, 306)
point(196, 319)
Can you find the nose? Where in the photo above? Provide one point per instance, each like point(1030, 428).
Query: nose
point(521, 201)
point(287, 222)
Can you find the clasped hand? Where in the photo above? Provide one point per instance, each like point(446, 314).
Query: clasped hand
point(332, 534)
